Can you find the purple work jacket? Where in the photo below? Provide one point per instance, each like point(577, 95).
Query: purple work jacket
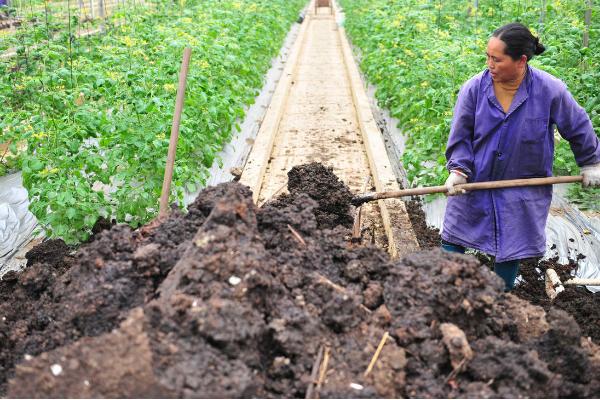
point(488, 144)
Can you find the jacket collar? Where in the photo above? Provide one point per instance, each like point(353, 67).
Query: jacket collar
point(520, 96)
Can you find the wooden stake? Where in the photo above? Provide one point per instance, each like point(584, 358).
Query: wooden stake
point(166, 189)
point(356, 229)
point(588, 21)
point(376, 355)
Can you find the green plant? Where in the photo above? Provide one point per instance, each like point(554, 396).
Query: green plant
point(436, 46)
point(96, 120)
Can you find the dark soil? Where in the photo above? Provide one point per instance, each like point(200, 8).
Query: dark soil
point(60, 298)
point(227, 301)
point(427, 236)
point(50, 252)
point(583, 305)
point(102, 224)
point(332, 196)
point(577, 301)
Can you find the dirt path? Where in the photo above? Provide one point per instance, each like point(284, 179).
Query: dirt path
point(317, 119)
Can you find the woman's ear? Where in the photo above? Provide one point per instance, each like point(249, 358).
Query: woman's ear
point(523, 60)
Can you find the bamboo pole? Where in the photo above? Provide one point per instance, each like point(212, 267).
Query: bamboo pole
point(588, 22)
point(166, 189)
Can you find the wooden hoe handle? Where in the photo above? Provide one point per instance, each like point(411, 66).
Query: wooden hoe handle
point(552, 180)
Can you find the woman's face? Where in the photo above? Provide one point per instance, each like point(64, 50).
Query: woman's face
point(502, 67)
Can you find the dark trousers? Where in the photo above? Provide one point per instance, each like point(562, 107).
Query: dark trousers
point(507, 270)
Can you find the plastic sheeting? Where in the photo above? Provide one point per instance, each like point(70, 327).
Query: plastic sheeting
point(569, 232)
point(17, 223)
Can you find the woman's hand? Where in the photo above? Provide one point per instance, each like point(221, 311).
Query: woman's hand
point(591, 175)
point(456, 178)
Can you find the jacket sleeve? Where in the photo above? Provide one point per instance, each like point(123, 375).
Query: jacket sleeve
point(574, 125)
point(459, 151)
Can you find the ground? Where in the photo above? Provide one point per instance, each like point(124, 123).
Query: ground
point(231, 300)
point(583, 305)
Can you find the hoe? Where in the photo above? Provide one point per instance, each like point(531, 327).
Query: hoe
point(552, 180)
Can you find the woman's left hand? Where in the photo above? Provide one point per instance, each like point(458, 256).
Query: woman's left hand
point(591, 175)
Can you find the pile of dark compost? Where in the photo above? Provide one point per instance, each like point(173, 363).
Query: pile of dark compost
point(234, 301)
point(583, 305)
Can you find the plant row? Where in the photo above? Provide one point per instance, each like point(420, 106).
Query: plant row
point(419, 52)
point(94, 115)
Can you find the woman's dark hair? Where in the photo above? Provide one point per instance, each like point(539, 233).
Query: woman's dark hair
point(519, 41)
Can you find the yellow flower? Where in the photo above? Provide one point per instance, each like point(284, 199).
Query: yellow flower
point(203, 64)
point(424, 84)
point(398, 21)
point(40, 135)
point(169, 87)
point(421, 27)
point(129, 42)
point(48, 171)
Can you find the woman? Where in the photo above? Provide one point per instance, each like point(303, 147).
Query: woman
point(503, 128)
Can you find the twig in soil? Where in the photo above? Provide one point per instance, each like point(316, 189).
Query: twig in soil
point(313, 374)
point(456, 370)
point(274, 194)
point(377, 352)
point(322, 279)
point(322, 372)
point(296, 235)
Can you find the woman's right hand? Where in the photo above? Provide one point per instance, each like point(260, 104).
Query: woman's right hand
point(456, 178)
